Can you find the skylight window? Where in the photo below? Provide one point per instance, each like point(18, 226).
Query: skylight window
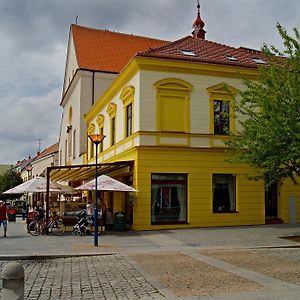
point(188, 52)
point(231, 57)
point(258, 60)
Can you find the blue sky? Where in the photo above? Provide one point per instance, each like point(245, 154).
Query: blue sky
point(34, 38)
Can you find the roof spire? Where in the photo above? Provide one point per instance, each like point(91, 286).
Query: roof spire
point(198, 25)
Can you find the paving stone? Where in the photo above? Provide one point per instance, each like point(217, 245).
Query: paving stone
point(90, 277)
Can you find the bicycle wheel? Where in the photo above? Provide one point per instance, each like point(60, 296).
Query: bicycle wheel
point(57, 227)
point(33, 228)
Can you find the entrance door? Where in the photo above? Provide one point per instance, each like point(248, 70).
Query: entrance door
point(271, 202)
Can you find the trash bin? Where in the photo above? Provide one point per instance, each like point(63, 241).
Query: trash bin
point(119, 224)
point(11, 214)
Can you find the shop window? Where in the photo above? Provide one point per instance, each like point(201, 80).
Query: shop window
point(172, 103)
point(224, 193)
point(168, 198)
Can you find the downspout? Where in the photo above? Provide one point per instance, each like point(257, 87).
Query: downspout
point(93, 88)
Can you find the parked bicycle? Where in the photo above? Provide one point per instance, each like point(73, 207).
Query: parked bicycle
point(40, 226)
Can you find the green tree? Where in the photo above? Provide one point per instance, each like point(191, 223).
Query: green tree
point(9, 180)
point(269, 114)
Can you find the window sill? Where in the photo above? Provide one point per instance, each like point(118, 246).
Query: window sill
point(169, 223)
point(226, 212)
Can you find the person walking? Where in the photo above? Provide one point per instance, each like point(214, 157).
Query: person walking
point(24, 210)
point(3, 216)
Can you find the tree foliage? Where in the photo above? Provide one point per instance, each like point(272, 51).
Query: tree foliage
point(268, 111)
point(9, 180)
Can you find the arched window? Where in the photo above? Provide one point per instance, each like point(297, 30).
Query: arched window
point(100, 123)
point(69, 134)
point(90, 150)
point(221, 113)
point(112, 110)
point(127, 97)
point(172, 105)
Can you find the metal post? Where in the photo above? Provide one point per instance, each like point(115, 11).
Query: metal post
point(47, 198)
point(96, 200)
point(96, 139)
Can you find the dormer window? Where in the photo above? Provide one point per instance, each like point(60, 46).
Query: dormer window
point(231, 57)
point(259, 60)
point(188, 52)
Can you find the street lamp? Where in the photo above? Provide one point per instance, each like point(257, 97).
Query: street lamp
point(96, 139)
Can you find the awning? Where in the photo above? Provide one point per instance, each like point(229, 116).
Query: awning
point(86, 171)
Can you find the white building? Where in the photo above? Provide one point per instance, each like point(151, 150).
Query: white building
point(47, 158)
point(94, 59)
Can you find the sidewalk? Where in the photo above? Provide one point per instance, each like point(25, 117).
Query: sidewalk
point(20, 243)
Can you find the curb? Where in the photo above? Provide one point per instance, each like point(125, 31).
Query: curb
point(51, 256)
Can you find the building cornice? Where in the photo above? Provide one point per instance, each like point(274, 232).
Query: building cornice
point(164, 65)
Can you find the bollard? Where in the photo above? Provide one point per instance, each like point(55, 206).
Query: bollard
point(13, 282)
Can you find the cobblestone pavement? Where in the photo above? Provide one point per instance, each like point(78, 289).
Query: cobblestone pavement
point(237, 263)
point(88, 277)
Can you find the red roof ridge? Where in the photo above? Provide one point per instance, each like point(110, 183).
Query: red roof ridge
point(163, 46)
point(116, 32)
point(250, 50)
point(205, 51)
point(51, 149)
point(108, 51)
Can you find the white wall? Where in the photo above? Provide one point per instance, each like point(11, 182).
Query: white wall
point(134, 81)
point(40, 165)
point(80, 98)
point(71, 63)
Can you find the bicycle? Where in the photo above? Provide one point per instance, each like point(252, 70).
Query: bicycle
point(54, 225)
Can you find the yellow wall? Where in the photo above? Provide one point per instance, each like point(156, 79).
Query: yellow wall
point(199, 164)
point(286, 190)
point(192, 148)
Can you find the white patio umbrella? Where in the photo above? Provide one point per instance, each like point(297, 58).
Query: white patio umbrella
point(39, 185)
point(106, 183)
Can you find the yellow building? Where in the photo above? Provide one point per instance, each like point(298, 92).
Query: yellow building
point(166, 112)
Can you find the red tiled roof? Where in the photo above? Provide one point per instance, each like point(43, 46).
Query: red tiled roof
point(47, 151)
point(205, 52)
point(108, 51)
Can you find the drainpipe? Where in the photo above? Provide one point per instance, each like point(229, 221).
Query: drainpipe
point(93, 89)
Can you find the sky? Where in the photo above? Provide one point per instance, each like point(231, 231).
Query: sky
point(33, 44)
